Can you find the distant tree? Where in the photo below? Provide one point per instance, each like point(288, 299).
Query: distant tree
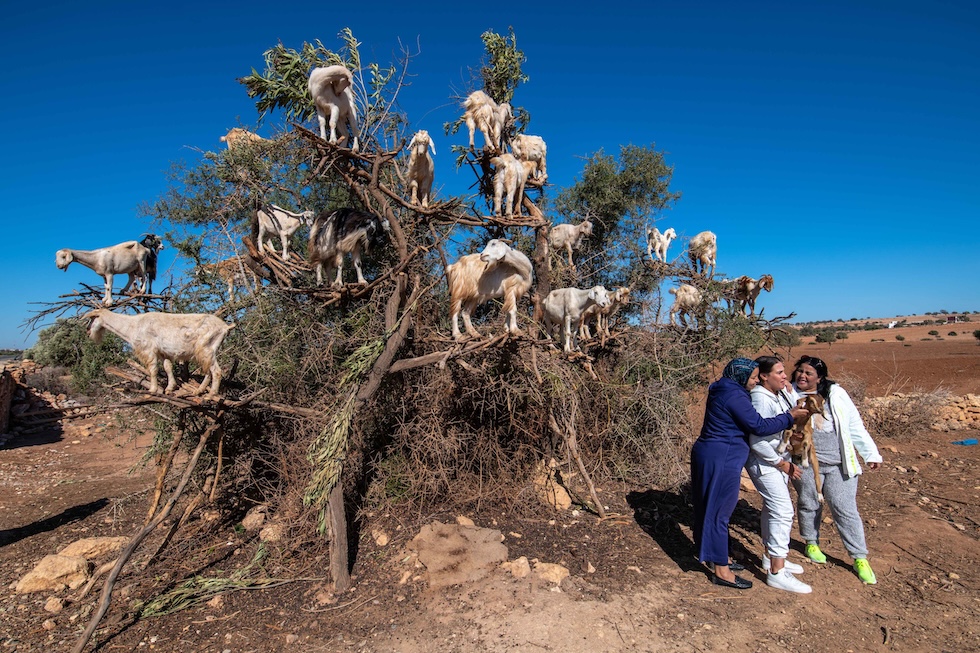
point(976, 334)
point(933, 333)
point(900, 338)
point(828, 336)
point(951, 333)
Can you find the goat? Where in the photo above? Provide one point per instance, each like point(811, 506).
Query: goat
point(804, 453)
point(687, 302)
point(330, 88)
point(617, 299)
point(421, 168)
point(170, 337)
point(747, 290)
point(344, 231)
point(533, 150)
point(154, 244)
point(703, 249)
point(498, 271)
point(509, 176)
point(657, 243)
point(482, 113)
point(237, 136)
point(569, 237)
point(566, 306)
point(125, 258)
point(280, 222)
point(230, 271)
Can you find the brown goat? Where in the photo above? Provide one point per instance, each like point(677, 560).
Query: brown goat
point(803, 452)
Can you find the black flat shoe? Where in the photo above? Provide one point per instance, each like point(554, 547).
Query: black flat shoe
point(739, 584)
point(735, 566)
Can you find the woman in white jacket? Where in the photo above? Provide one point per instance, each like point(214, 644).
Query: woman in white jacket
point(839, 436)
point(769, 472)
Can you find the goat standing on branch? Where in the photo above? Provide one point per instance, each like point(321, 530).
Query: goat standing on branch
point(747, 290)
point(510, 176)
point(617, 299)
point(498, 271)
point(280, 222)
point(125, 258)
point(154, 244)
point(687, 302)
point(490, 118)
point(658, 243)
point(566, 307)
point(421, 168)
point(170, 337)
point(569, 237)
point(532, 149)
point(330, 88)
point(344, 231)
point(703, 250)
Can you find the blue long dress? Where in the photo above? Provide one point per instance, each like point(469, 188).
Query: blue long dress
point(717, 459)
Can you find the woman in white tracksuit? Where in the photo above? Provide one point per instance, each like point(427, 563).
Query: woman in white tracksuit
point(839, 436)
point(769, 472)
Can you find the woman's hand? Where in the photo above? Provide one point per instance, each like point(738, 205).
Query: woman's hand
point(798, 412)
point(791, 470)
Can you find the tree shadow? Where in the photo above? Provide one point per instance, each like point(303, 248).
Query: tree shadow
point(67, 516)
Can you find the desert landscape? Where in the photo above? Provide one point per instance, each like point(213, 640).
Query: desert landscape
point(507, 582)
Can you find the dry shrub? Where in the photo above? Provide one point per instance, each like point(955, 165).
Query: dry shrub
point(903, 416)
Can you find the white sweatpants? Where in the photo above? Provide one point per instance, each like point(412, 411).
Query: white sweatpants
point(777, 508)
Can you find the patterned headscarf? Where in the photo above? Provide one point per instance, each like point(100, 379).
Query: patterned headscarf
point(739, 370)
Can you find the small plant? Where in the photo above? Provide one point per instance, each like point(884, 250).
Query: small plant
point(976, 334)
point(900, 338)
point(951, 333)
point(933, 333)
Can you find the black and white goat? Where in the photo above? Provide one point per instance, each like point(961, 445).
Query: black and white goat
point(153, 243)
point(344, 231)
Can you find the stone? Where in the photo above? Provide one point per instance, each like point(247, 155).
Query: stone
point(551, 572)
point(380, 537)
point(454, 554)
point(94, 547)
point(54, 605)
point(272, 533)
point(519, 568)
point(465, 521)
point(54, 573)
point(254, 518)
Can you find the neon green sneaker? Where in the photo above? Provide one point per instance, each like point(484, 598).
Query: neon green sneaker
point(864, 571)
point(814, 553)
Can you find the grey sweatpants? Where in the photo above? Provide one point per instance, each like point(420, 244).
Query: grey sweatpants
point(840, 495)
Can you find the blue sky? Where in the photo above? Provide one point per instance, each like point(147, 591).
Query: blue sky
point(834, 145)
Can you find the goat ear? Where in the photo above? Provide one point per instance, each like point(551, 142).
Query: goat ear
point(432, 146)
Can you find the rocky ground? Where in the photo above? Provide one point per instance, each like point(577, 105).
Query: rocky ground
point(568, 582)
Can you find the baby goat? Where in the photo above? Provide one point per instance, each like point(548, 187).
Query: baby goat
point(804, 453)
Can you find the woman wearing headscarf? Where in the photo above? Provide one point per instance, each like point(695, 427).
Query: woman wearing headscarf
point(717, 459)
point(839, 436)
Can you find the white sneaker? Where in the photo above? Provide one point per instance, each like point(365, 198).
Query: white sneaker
point(787, 581)
point(791, 567)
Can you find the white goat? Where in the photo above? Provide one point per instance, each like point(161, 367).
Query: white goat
point(170, 337)
point(566, 307)
point(657, 243)
point(280, 222)
point(344, 231)
point(617, 299)
point(421, 168)
point(237, 136)
point(747, 290)
point(124, 258)
point(534, 150)
point(510, 176)
point(703, 249)
point(330, 88)
point(498, 271)
point(490, 118)
point(569, 237)
point(687, 302)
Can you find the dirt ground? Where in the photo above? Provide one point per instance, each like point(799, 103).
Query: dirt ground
point(634, 584)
